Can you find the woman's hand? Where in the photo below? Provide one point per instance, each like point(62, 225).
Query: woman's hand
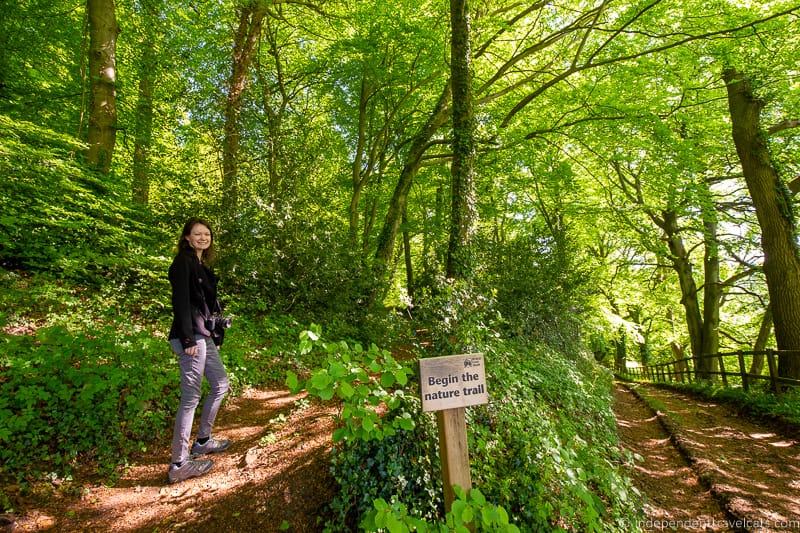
point(191, 350)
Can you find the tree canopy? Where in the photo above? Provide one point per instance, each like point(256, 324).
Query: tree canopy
point(595, 184)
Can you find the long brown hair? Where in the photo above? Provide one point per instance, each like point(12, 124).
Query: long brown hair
point(183, 244)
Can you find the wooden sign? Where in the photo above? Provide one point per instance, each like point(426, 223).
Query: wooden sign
point(452, 381)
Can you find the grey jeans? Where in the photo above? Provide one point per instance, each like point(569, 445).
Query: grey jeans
point(207, 362)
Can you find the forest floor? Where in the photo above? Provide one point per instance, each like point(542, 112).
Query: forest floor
point(705, 467)
point(274, 477)
point(710, 468)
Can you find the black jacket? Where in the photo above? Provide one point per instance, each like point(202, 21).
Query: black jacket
point(193, 284)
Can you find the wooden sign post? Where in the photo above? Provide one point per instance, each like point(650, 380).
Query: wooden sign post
point(448, 385)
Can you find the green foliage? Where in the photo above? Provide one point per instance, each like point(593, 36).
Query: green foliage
point(538, 283)
point(404, 465)
point(757, 402)
point(546, 446)
point(69, 397)
point(469, 509)
point(260, 350)
point(368, 382)
point(58, 217)
point(458, 317)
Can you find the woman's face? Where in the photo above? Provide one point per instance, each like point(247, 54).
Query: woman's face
point(199, 238)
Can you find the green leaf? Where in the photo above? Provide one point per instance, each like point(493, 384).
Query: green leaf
point(305, 346)
point(321, 380)
point(401, 376)
point(406, 423)
point(458, 509)
point(292, 382)
point(394, 525)
point(368, 424)
point(380, 504)
point(337, 370)
point(387, 379)
point(339, 434)
point(345, 390)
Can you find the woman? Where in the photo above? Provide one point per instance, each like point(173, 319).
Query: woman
point(194, 296)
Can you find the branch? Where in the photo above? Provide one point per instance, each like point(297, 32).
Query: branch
point(536, 133)
point(741, 275)
point(590, 64)
point(541, 45)
point(787, 124)
point(509, 24)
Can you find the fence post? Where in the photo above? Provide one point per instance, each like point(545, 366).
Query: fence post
point(743, 371)
point(773, 371)
point(688, 370)
point(722, 370)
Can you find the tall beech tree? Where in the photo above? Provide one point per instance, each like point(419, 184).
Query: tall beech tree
point(143, 128)
point(773, 205)
point(102, 131)
point(248, 33)
point(462, 190)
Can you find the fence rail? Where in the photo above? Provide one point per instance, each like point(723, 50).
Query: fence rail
point(684, 370)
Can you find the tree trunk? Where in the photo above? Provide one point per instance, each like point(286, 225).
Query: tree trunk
point(462, 206)
point(757, 366)
point(682, 265)
point(680, 360)
point(370, 213)
point(712, 294)
point(397, 204)
point(276, 159)
point(407, 253)
point(621, 351)
point(102, 134)
point(358, 172)
point(247, 34)
point(143, 133)
point(773, 205)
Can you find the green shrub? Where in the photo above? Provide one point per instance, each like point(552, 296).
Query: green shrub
point(544, 449)
point(470, 512)
point(67, 397)
point(405, 465)
point(59, 217)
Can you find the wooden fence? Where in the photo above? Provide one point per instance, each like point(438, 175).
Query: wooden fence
point(683, 370)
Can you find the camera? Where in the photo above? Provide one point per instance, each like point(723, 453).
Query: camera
point(216, 322)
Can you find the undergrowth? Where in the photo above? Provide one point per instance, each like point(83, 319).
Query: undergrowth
point(544, 449)
point(758, 401)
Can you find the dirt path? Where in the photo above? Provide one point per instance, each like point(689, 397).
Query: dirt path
point(273, 477)
point(673, 493)
point(752, 470)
